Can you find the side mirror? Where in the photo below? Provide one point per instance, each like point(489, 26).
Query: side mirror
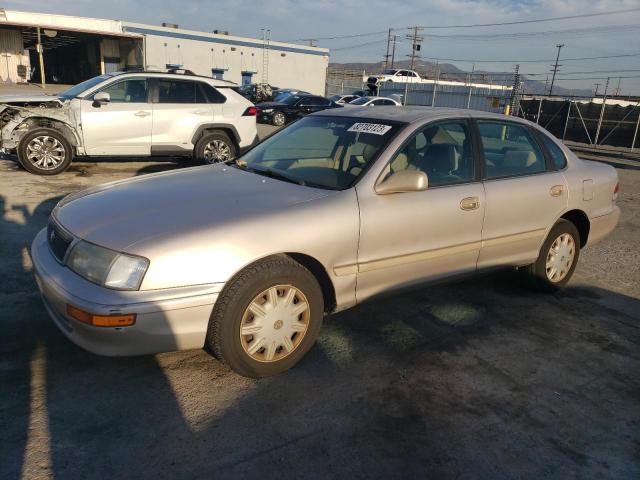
point(403, 181)
point(101, 98)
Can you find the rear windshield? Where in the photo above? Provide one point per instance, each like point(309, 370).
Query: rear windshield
point(324, 152)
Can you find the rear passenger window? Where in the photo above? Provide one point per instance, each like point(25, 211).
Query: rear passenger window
point(207, 94)
point(557, 156)
point(509, 150)
point(176, 91)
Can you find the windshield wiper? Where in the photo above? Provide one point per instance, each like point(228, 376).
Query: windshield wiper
point(267, 172)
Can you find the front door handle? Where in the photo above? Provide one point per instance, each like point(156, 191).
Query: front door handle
point(556, 190)
point(142, 114)
point(470, 203)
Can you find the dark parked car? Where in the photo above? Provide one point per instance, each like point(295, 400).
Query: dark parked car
point(291, 108)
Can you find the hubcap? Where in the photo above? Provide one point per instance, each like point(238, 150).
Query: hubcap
point(560, 257)
point(216, 151)
point(274, 323)
point(45, 152)
point(278, 119)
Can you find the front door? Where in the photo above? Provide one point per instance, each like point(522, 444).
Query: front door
point(411, 237)
point(525, 195)
point(121, 126)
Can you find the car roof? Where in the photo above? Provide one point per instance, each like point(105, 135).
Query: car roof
point(411, 114)
point(151, 73)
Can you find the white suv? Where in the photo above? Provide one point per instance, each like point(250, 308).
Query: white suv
point(128, 114)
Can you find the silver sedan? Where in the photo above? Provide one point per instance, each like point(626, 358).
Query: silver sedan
point(245, 259)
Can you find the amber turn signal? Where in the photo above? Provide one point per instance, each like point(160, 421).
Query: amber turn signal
point(101, 320)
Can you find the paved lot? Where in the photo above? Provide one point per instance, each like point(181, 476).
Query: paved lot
point(479, 379)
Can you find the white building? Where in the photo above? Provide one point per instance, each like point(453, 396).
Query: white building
point(77, 48)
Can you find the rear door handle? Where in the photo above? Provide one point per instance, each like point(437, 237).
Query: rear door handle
point(556, 190)
point(142, 114)
point(470, 203)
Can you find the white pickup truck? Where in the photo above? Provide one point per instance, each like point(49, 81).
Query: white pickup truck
point(394, 75)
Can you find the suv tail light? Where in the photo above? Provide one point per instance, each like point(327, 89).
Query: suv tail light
point(250, 112)
point(616, 189)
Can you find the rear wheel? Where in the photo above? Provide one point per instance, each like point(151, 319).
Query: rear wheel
point(267, 318)
point(44, 151)
point(278, 119)
point(558, 257)
point(215, 147)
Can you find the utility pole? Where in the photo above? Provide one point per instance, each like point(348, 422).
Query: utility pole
point(416, 41)
point(393, 51)
point(387, 56)
point(312, 41)
point(595, 94)
point(618, 87)
point(604, 104)
point(555, 68)
point(514, 91)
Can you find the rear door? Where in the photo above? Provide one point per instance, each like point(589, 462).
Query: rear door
point(123, 125)
point(525, 194)
point(180, 107)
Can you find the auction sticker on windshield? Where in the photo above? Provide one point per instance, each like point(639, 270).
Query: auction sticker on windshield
point(375, 128)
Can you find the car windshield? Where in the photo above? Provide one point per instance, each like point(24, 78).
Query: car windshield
point(82, 86)
point(389, 72)
point(360, 101)
point(324, 152)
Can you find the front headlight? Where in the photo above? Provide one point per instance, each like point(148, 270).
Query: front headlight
point(107, 267)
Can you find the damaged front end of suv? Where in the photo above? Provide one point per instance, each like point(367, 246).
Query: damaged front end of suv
point(42, 132)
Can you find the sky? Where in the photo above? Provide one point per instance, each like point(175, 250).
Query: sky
point(295, 19)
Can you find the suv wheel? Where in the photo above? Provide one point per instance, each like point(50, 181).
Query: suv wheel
point(44, 151)
point(215, 147)
point(278, 119)
point(266, 318)
point(558, 257)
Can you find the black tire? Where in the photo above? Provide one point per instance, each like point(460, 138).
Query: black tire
point(538, 270)
point(55, 142)
point(278, 119)
point(223, 338)
point(205, 154)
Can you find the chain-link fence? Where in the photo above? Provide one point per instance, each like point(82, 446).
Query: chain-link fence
point(344, 82)
point(586, 122)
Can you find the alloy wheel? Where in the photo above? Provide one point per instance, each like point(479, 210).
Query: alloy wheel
point(216, 151)
point(45, 152)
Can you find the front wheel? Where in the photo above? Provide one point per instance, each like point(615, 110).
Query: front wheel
point(558, 257)
point(266, 318)
point(44, 151)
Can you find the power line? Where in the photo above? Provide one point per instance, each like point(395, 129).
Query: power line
point(530, 61)
point(360, 45)
point(597, 78)
point(566, 32)
point(538, 20)
point(591, 71)
point(337, 37)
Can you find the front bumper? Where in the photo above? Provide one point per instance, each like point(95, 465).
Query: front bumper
point(166, 320)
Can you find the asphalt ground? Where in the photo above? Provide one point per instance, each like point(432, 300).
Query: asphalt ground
point(475, 379)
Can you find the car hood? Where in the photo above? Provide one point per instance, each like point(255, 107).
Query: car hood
point(33, 98)
point(120, 214)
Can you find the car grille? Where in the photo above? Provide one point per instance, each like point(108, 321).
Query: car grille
point(58, 239)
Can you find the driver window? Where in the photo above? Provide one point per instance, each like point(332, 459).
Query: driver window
point(133, 90)
point(443, 151)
